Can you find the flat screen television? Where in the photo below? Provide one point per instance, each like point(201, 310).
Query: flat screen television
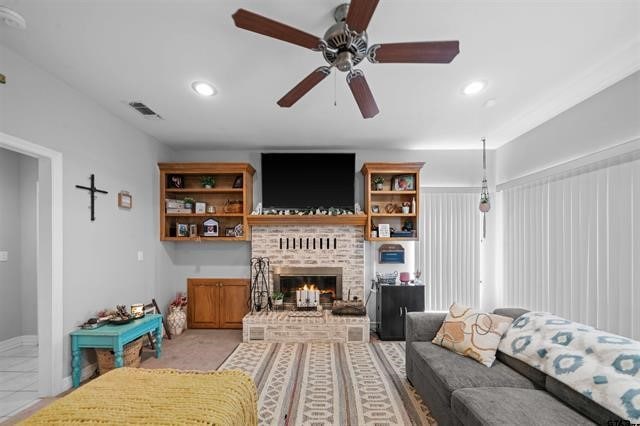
point(308, 180)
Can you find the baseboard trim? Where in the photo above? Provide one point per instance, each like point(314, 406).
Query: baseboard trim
point(17, 341)
point(87, 371)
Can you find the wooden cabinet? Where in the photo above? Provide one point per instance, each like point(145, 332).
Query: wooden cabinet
point(393, 302)
point(384, 206)
point(217, 302)
point(231, 195)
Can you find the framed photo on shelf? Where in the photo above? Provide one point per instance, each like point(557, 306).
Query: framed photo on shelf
point(193, 230)
point(237, 183)
point(404, 183)
point(125, 200)
point(182, 230)
point(200, 207)
point(175, 181)
point(384, 231)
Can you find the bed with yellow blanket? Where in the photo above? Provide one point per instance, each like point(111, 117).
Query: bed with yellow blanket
point(158, 397)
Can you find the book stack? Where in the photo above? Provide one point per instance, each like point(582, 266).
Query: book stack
point(176, 206)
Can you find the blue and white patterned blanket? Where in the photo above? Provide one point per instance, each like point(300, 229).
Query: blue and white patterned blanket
point(600, 365)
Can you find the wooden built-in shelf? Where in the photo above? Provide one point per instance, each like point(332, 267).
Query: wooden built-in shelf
point(201, 190)
point(393, 214)
point(226, 175)
point(351, 219)
point(390, 194)
point(214, 215)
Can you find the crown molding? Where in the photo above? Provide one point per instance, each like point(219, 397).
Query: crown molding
point(620, 64)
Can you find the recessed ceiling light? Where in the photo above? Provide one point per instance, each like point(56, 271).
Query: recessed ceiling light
point(203, 88)
point(490, 103)
point(12, 18)
point(474, 87)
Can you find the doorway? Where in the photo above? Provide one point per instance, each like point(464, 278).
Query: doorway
point(48, 269)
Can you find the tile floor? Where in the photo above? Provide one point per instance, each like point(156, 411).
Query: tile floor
point(18, 379)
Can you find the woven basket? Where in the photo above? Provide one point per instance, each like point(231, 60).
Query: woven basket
point(233, 206)
point(130, 355)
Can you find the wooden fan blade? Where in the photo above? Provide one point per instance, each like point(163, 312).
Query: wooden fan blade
point(302, 88)
point(360, 13)
point(434, 52)
point(361, 92)
point(259, 24)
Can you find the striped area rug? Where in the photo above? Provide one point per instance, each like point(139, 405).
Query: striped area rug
point(331, 383)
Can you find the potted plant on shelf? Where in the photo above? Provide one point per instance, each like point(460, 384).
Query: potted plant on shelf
point(278, 298)
point(378, 181)
point(208, 182)
point(189, 203)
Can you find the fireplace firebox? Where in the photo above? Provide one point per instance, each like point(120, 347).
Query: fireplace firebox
point(327, 281)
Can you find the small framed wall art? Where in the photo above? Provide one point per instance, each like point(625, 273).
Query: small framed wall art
point(125, 200)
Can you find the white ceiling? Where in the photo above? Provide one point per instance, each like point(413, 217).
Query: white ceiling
point(539, 57)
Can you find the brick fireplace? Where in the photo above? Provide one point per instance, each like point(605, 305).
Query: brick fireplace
point(299, 253)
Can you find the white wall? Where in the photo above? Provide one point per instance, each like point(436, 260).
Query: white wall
point(28, 249)
point(608, 118)
point(100, 258)
point(10, 282)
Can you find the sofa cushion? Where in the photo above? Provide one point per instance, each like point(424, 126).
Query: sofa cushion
point(473, 334)
point(531, 373)
point(504, 406)
point(514, 313)
point(581, 403)
point(453, 371)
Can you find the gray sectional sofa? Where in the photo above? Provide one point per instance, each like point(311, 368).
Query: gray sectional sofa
point(459, 390)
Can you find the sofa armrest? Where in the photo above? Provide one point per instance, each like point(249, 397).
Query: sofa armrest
point(423, 326)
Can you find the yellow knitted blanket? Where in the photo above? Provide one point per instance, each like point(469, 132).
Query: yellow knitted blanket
point(137, 396)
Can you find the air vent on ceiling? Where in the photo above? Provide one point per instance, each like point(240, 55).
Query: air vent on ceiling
point(144, 110)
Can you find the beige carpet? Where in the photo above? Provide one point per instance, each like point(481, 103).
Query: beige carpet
point(331, 383)
point(193, 350)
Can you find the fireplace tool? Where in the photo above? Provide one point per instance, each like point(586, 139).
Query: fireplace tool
point(259, 292)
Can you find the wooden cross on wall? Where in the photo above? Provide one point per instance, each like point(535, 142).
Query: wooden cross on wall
point(92, 189)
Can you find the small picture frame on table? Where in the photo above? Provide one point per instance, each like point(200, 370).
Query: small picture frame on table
point(404, 183)
point(125, 200)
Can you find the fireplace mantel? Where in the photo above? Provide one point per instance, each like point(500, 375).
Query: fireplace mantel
point(275, 220)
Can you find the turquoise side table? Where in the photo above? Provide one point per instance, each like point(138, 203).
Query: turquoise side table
point(113, 337)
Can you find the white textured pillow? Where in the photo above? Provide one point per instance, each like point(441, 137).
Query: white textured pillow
point(472, 334)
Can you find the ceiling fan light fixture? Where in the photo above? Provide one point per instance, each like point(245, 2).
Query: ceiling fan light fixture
point(474, 87)
point(12, 18)
point(203, 88)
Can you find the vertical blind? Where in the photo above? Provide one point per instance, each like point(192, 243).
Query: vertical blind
point(572, 246)
point(450, 248)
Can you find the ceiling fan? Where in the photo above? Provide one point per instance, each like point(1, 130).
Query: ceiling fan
point(344, 45)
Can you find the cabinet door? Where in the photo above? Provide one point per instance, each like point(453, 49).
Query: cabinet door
point(415, 298)
point(234, 296)
point(391, 313)
point(204, 303)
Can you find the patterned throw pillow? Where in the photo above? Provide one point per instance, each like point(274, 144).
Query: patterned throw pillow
point(472, 334)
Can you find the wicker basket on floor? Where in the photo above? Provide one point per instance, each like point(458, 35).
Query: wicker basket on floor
point(131, 355)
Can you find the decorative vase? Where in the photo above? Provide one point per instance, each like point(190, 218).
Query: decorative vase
point(176, 321)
